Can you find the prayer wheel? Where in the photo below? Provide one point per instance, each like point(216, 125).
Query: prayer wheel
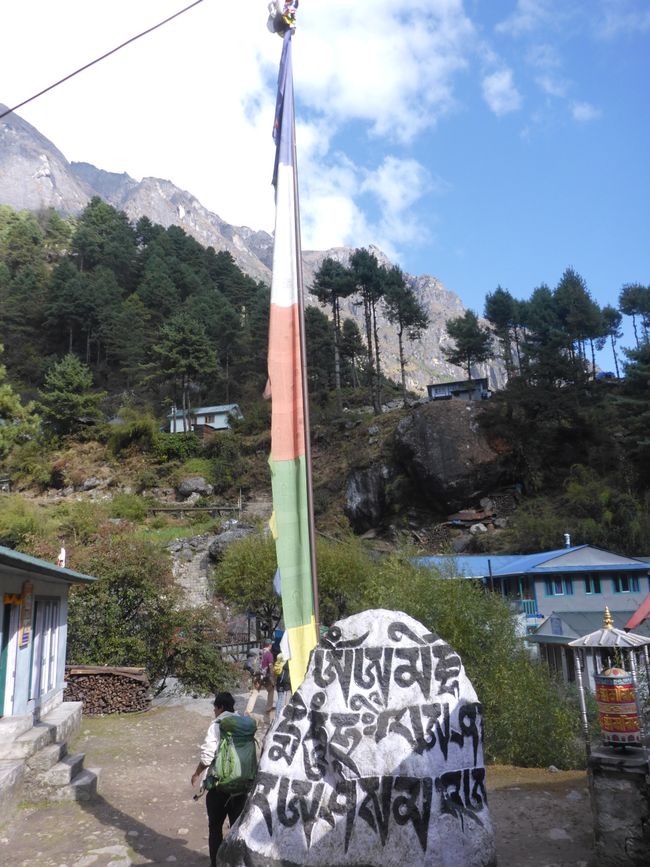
point(619, 716)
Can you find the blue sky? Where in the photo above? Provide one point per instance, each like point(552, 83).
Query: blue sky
point(483, 142)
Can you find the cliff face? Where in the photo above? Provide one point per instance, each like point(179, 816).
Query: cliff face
point(35, 175)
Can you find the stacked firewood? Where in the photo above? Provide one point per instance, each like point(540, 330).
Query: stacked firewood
point(104, 689)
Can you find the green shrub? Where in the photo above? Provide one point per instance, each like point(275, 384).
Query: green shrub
point(225, 452)
point(530, 720)
point(131, 616)
point(257, 418)
point(193, 467)
point(28, 464)
point(128, 616)
point(244, 577)
point(22, 521)
point(80, 520)
point(175, 446)
point(137, 430)
point(129, 506)
point(196, 659)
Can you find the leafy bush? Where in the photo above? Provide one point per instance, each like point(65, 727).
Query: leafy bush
point(226, 459)
point(29, 465)
point(22, 521)
point(196, 659)
point(129, 506)
point(137, 430)
point(244, 577)
point(130, 616)
point(176, 446)
point(257, 418)
point(80, 520)
point(193, 467)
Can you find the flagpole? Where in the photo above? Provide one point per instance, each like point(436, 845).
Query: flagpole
point(305, 388)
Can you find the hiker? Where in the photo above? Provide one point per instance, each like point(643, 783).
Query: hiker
point(263, 680)
point(222, 801)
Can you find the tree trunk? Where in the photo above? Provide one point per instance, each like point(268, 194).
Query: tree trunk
point(371, 364)
point(336, 319)
point(401, 364)
point(615, 356)
point(377, 365)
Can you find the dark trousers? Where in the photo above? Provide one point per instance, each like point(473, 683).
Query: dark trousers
point(220, 804)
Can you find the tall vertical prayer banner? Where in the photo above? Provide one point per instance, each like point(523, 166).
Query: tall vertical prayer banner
point(289, 452)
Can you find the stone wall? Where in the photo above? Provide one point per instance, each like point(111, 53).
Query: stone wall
point(619, 786)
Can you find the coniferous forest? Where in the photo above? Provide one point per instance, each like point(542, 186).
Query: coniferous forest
point(100, 314)
point(108, 324)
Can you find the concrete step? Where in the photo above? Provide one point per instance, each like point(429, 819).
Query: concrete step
point(25, 745)
point(46, 758)
point(12, 727)
point(11, 784)
point(65, 719)
point(82, 788)
point(64, 771)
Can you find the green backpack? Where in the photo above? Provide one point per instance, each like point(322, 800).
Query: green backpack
point(234, 765)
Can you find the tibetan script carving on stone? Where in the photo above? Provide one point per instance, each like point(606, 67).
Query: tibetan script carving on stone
point(376, 760)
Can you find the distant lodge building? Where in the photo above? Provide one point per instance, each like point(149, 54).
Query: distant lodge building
point(559, 595)
point(204, 419)
point(466, 389)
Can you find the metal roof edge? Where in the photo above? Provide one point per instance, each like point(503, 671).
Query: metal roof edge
point(25, 562)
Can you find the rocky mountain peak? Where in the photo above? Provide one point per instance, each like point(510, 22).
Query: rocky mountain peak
point(35, 175)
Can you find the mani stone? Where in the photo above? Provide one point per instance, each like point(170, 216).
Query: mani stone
point(377, 759)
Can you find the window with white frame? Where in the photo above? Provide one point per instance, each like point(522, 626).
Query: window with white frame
point(559, 586)
point(626, 584)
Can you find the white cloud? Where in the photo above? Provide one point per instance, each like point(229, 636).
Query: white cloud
point(583, 112)
point(552, 85)
point(543, 56)
point(617, 18)
point(396, 183)
point(528, 15)
point(500, 93)
point(380, 62)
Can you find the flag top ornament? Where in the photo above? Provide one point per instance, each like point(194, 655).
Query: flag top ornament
point(282, 17)
point(290, 462)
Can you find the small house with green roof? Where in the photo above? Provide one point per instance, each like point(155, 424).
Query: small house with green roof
point(33, 632)
point(35, 722)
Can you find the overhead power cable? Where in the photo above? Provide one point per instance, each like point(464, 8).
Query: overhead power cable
point(97, 60)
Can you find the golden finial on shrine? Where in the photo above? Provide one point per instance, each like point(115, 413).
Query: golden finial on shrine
point(608, 622)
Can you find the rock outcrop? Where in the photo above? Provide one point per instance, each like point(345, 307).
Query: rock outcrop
point(441, 448)
point(441, 459)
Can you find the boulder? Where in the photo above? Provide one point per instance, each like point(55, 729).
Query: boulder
point(441, 448)
point(219, 544)
point(365, 497)
point(194, 485)
point(377, 759)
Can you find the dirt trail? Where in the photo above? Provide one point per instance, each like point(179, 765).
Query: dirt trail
point(145, 813)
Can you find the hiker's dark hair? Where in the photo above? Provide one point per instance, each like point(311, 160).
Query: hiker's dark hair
point(225, 701)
